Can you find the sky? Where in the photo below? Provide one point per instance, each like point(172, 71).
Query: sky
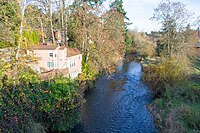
point(140, 11)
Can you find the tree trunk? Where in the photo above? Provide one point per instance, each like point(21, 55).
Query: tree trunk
point(43, 41)
point(85, 37)
point(52, 32)
point(51, 23)
point(64, 22)
point(21, 29)
point(66, 19)
point(168, 41)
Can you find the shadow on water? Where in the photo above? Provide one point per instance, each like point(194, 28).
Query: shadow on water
point(118, 104)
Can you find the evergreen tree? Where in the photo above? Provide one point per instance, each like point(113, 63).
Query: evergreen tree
point(118, 5)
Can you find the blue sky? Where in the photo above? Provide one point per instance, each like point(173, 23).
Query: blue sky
point(139, 12)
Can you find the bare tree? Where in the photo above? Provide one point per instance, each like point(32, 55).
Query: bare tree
point(174, 18)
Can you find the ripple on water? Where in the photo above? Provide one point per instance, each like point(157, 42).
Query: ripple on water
point(121, 111)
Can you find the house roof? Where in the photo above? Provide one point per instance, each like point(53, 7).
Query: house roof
point(62, 47)
point(72, 52)
point(44, 47)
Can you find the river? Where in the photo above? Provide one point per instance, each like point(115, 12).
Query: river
point(118, 104)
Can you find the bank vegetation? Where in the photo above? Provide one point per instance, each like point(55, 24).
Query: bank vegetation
point(174, 74)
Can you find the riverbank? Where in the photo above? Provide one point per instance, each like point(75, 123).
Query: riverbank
point(178, 108)
point(180, 112)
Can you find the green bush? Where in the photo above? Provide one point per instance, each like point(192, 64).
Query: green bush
point(62, 103)
point(30, 105)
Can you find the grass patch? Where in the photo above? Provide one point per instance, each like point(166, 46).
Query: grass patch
point(179, 109)
point(189, 120)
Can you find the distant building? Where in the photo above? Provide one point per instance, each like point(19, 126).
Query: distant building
point(57, 58)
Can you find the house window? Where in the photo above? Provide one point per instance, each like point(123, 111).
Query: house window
point(56, 64)
point(72, 63)
point(50, 54)
point(50, 64)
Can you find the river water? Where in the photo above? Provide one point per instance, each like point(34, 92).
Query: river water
point(118, 104)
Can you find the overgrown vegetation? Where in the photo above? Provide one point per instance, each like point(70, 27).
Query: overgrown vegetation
point(178, 109)
point(31, 105)
point(166, 73)
point(172, 78)
point(176, 106)
point(141, 44)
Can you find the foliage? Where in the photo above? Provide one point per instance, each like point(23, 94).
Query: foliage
point(174, 18)
point(96, 45)
point(61, 103)
point(9, 23)
point(30, 38)
point(88, 76)
point(142, 44)
point(179, 108)
point(189, 120)
point(91, 3)
point(33, 16)
point(87, 72)
point(166, 73)
point(48, 104)
point(118, 6)
point(160, 48)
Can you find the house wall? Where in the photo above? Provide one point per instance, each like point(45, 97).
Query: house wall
point(75, 65)
point(44, 57)
point(62, 58)
point(59, 58)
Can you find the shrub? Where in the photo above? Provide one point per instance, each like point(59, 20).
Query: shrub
point(30, 104)
point(62, 102)
point(166, 73)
